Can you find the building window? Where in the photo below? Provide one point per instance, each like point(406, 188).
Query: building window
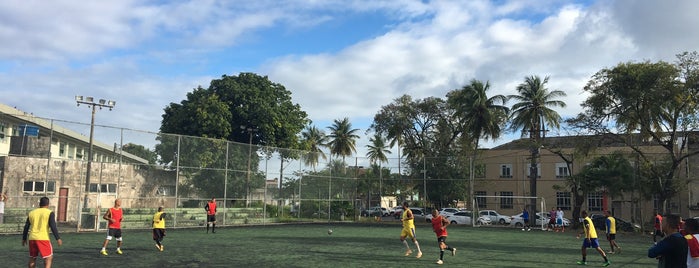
point(62, 149)
point(39, 187)
point(2, 131)
point(594, 201)
point(506, 200)
point(562, 170)
point(506, 171)
point(529, 170)
point(479, 171)
point(563, 200)
point(103, 188)
point(480, 200)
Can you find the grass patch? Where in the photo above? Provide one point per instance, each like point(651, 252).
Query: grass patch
point(350, 245)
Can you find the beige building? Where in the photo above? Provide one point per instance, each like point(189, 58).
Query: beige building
point(39, 158)
point(507, 169)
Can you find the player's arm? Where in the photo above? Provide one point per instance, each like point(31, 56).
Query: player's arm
point(54, 229)
point(162, 216)
point(409, 215)
point(25, 233)
point(445, 222)
point(206, 207)
point(108, 215)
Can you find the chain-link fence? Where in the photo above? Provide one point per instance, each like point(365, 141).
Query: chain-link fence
point(252, 184)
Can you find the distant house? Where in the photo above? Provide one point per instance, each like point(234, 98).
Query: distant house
point(38, 157)
point(506, 174)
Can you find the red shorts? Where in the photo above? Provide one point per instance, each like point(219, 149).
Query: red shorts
point(40, 246)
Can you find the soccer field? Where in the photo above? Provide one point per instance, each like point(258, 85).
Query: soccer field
point(350, 245)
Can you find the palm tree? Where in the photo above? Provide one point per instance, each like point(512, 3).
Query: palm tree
point(342, 138)
point(377, 153)
point(531, 113)
point(483, 116)
point(313, 140)
point(377, 150)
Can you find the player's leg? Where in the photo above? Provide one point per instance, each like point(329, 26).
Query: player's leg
point(118, 237)
point(32, 262)
point(595, 244)
point(47, 261)
point(106, 241)
point(403, 234)
point(417, 245)
point(33, 253)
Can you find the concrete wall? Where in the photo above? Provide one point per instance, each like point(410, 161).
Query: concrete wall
point(137, 186)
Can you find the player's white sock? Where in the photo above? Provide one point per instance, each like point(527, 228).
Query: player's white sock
point(406, 244)
point(418, 246)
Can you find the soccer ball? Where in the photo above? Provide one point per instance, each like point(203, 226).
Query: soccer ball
point(330, 231)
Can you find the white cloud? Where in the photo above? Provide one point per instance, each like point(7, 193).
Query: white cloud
point(117, 49)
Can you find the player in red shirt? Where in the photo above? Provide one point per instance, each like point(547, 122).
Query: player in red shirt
point(114, 216)
point(657, 223)
point(439, 226)
point(211, 215)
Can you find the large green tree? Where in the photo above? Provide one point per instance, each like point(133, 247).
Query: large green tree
point(247, 108)
point(531, 113)
point(429, 137)
point(141, 151)
point(648, 104)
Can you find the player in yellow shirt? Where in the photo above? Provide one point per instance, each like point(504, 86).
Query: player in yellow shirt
point(610, 223)
point(159, 228)
point(36, 228)
point(409, 230)
point(590, 240)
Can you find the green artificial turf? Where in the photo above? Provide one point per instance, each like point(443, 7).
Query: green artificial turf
point(350, 245)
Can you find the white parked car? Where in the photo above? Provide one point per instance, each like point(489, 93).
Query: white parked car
point(495, 216)
point(518, 222)
point(464, 217)
point(446, 212)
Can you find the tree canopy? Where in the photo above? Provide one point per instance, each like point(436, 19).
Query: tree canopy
point(247, 108)
point(647, 104)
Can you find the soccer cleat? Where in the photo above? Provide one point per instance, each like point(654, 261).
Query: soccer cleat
point(119, 251)
point(104, 252)
point(523, 229)
point(162, 247)
point(408, 252)
point(440, 262)
point(581, 263)
point(419, 255)
point(611, 252)
point(453, 251)
point(157, 246)
point(607, 263)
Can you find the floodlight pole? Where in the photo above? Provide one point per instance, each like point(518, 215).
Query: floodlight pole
point(89, 101)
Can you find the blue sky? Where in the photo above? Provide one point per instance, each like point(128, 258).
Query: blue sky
point(338, 58)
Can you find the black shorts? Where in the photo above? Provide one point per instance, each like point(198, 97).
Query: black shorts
point(441, 239)
point(158, 234)
point(116, 233)
point(611, 237)
point(210, 218)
